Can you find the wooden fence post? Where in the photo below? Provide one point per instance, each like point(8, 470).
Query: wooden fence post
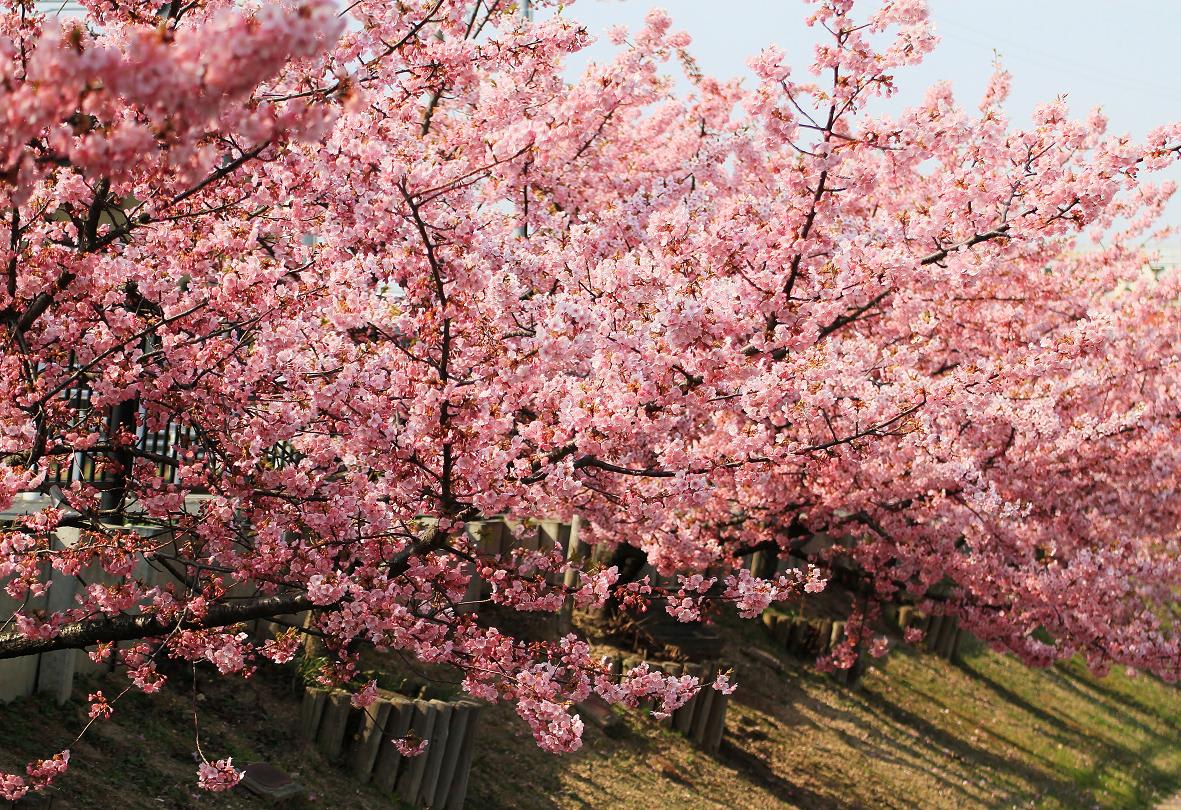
point(905, 618)
point(715, 726)
point(385, 771)
point(683, 717)
point(461, 715)
point(795, 635)
point(435, 753)
point(575, 552)
point(423, 726)
point(705, 701)
point(947, 637)
point(313, 709)
point(371, 735)
point(475, 584)
point(934, 628)
point(332, 728)
point(823, 636)
point(463, 764)
point(55, 670)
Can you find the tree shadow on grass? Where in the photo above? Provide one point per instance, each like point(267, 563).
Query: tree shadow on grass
point(977, 757)
point(761, 772)
point(1113, 700)
point(1108, 757)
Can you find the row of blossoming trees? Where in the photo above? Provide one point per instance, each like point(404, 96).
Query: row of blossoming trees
point(706, 325)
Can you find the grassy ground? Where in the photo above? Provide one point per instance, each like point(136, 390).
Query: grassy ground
point(918, 732)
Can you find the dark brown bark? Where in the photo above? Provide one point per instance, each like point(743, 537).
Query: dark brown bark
point(630, 561)
point(127, 628)
point(80, 635)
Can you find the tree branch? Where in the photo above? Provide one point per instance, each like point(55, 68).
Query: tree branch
point(80, 635)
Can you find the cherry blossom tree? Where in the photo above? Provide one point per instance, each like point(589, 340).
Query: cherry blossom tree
point(382, 279)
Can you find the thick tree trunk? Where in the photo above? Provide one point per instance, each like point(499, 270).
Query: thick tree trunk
point(114, 495)
point(630, 561)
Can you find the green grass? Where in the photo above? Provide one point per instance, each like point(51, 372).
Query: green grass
point(918, 733)
point(1113, 742)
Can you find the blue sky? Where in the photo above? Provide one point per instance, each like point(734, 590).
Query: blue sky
point(1121, 55)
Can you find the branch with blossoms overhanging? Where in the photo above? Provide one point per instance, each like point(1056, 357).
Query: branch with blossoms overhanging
point(705, 325)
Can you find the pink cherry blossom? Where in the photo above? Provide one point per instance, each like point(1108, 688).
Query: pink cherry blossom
point(42, 772)
point(218, 776)
point(410, 746)
point(12, 787)
point(328, 317)
point(366, 696)
point(722, 684)
point(99, 707)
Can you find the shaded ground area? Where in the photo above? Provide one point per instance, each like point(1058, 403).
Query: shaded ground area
point(145, 756)
point(919, 732)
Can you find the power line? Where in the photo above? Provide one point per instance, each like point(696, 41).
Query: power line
point(1029, 53)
